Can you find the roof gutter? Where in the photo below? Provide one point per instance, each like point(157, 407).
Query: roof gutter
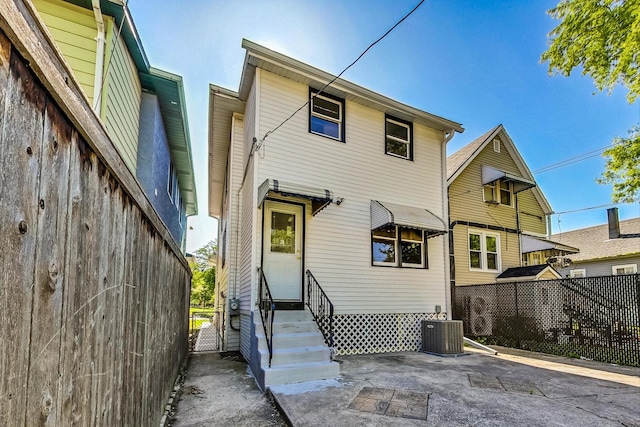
point(100, 39)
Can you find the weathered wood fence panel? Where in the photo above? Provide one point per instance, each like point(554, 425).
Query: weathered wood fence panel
point(93, 296)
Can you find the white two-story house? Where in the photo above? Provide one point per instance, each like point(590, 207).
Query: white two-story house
point(332, 218)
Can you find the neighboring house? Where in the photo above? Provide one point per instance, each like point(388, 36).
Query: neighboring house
point(607, 249)
point(346, 189)
point(143, 109)
point(497, 213)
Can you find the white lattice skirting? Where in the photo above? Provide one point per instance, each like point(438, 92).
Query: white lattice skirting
point(380, 333)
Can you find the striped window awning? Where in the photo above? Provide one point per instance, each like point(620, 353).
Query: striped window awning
point(490, 174)
point(319, 197)
point(384, 213)
point(535, 244)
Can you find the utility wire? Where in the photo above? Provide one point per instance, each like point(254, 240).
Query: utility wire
point(574, 159)
point(338, 76)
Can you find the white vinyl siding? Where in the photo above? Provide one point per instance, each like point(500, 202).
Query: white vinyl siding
point(338, 239)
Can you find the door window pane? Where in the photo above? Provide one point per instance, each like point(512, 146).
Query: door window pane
point(283, 232)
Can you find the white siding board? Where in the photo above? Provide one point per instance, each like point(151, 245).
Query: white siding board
point(338, 239)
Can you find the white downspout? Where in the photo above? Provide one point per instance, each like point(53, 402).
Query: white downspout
point(100, 39)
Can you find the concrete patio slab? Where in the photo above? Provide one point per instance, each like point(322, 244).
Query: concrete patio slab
point(524, 389)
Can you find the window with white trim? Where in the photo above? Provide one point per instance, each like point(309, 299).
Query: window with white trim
point(484, 251)
point(577, 273)
point(394, 246)
point(498, 192)
point(326, 115)
point(624, 269)
point(496, 145)
point(398, 138)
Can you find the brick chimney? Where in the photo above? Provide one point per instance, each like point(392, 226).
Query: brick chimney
point(614, 223)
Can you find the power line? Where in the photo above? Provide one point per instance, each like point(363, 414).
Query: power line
point(338, 76)
point(572, 160)
point(588, 208)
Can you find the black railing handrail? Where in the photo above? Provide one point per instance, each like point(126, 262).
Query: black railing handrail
point(267, 311)
point(319, 303)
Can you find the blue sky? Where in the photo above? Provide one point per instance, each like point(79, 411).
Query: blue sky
point(474, 62)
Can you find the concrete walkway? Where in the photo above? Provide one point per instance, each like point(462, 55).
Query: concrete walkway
point(417, 389)
point(219, 392)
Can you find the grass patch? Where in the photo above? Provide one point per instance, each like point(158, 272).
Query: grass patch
point(207, 311)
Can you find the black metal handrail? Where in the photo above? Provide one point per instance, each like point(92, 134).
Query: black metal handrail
point(321, 308)
point(267, 311)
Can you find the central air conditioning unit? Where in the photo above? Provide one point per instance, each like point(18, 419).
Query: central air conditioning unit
point(480, 317)
point(442, 337)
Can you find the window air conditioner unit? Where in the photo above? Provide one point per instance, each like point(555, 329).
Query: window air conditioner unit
point(442, 337)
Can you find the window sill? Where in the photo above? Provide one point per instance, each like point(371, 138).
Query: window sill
point(480, 270)
point(327, 136)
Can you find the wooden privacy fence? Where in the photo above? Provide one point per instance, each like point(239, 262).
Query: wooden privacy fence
point(94, 294)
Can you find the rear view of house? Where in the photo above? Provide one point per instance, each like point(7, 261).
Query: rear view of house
point(498, 215)
point(332, 218)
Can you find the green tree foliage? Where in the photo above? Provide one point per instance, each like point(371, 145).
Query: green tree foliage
point(623, 167)
point(203, 280)
point(602, 37)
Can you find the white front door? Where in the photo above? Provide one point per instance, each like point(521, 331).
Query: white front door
point(282, 250)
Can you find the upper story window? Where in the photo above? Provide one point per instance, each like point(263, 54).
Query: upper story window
point(624, 269)
point(173, 189)
point(496, 145)
point(326, 115)
point(399, 247)
point(398, 138)
point(577, 273)
point(484, 251)
point(498, 192)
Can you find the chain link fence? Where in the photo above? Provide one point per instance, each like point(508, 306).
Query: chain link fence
point(203, 329)
point(593, 317)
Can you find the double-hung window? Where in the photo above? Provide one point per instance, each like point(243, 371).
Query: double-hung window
point(394, 246)
point(624, 269)
point(577, 273)
point(498, 192)
point(326, 115)
point(484, 251)
point(398, 138)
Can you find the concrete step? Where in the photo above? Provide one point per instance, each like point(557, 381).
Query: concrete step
point(293, 339)
point(277, 375)
point(295, 355)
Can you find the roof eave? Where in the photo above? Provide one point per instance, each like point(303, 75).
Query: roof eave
point(221, 102)
point(342, 88)
point(178, 135)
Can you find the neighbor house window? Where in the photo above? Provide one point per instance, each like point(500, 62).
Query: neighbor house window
point(172, 185)
point(326, 115)
point(624, 269)
point(496, 145)
point(484, 251)
point(399, 247)
point(498, 192)
point(577, 273)
point(398, 138)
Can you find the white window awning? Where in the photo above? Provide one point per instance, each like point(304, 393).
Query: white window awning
point(490, 174)
point(534, 244)
point(384, 213)
point(319, 197)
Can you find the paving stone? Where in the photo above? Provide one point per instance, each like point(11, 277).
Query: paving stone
point(521, 386)
point(485, 381)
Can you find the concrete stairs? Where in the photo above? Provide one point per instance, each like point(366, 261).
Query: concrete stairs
point(299, 351)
